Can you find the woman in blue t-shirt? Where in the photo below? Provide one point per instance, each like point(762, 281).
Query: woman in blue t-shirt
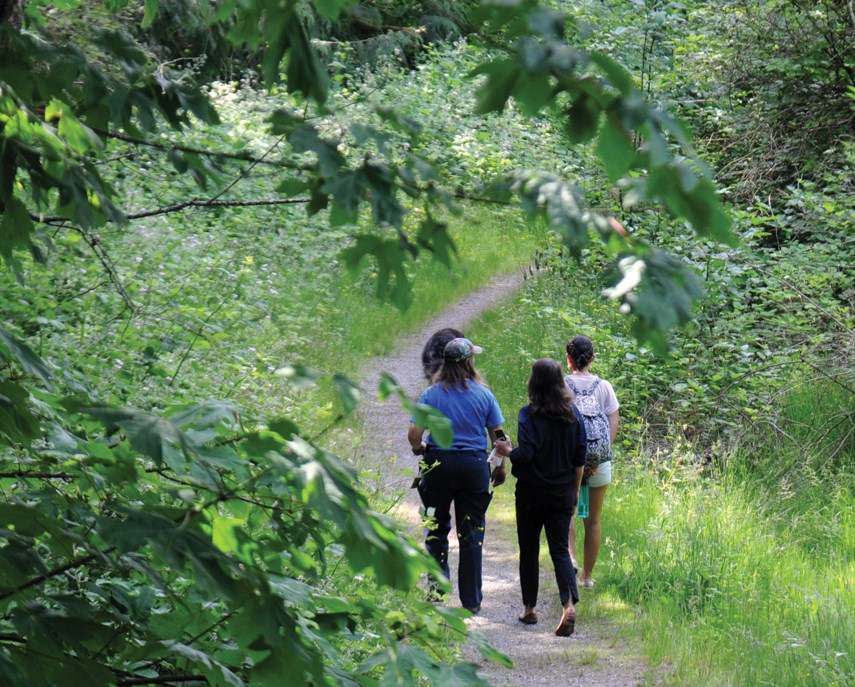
point(459, 474)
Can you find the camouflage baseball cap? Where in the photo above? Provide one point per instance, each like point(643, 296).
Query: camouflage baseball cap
point(460, 349)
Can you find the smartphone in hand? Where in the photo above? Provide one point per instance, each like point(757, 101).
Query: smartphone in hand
point(495, 458)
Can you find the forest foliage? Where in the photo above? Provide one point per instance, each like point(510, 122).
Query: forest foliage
point(150, 533)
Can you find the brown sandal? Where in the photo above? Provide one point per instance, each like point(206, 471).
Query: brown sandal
point(529, 618)
point(568, 623)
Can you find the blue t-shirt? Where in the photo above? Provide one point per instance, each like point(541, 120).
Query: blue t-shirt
point(471, 412)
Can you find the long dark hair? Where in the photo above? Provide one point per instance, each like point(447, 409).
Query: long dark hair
point(581, 351)
point(457, 373)
point(547, 392)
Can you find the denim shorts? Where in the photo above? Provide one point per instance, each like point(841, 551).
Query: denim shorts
point(603, 475)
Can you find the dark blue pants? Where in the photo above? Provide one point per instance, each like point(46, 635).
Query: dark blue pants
point(461, 478)
point(545, 508)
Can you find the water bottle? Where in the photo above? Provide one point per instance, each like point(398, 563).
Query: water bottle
point(582, 506)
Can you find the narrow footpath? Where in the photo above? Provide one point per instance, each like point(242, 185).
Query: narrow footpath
point(594, 656)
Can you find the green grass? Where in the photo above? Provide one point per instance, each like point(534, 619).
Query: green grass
point(743, 601)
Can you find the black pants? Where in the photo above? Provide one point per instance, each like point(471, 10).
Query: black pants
point(461, 478)
point(548, 508)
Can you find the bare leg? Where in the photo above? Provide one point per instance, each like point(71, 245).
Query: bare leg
point(593, 530)
point(572, 542)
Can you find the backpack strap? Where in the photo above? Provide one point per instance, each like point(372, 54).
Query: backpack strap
point(594, 386)
point(570, 383)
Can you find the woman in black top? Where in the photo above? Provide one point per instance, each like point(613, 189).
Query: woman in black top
point(548, 465)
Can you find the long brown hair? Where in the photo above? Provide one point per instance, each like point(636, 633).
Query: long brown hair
point(457, 373)
point(548, 394)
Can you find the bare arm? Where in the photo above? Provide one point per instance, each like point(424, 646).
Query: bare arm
point(614, 421)
point(499, 474)
point(577, 483)
point(414, 436)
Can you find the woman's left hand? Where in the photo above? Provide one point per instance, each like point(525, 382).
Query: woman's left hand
point(504, 447)
point(499, 476)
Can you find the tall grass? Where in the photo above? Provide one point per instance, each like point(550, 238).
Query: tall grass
point(731, 594)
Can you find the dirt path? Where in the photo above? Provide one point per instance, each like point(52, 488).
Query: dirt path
point(594, 656)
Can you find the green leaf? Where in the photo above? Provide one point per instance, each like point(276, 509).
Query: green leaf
point(533, 93)
point(617, 75)
point(206, 414)
point(135, 530)
point(283, 33)
point(349, 394)
point(615, 148)
point(583, 118)
point(439, 426)
point(346, 189)
point(150, 13)
point(306, 139)
point(12, 350)
point(150, 435)
point(285, 427)
point(18, 423)
point(688, 195)
point(293, 187)
point(300, 376)
point(502, 78)
point(16, 227)
point(393, 284)
point(548, 195)
point(218, 675)
point(434, 236)
point(331, 9)
point(388, 385)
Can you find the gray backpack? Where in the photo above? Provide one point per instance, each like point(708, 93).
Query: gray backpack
point(596, 424)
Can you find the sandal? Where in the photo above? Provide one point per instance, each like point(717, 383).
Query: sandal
point(529, 618)
point(568, 623)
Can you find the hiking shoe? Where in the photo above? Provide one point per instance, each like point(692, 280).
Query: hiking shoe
point(568, 623)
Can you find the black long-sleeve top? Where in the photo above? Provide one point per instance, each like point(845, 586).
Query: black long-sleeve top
point(548, 451)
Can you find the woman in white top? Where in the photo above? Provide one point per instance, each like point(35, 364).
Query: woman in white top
point(580, 356)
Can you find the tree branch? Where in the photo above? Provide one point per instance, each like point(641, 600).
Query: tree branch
point(37, 475)
point(177, 207)
point(241, 157)
point(94, 243)
point(71, 565)
point(161, 680)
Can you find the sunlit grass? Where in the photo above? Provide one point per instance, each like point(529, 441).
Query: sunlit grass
point(743, 602)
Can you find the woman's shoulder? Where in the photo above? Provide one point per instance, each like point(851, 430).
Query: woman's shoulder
point(605, 382)
point(481, 387)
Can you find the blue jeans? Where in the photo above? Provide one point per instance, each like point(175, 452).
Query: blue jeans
point(461, 478)
point(545, 508)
